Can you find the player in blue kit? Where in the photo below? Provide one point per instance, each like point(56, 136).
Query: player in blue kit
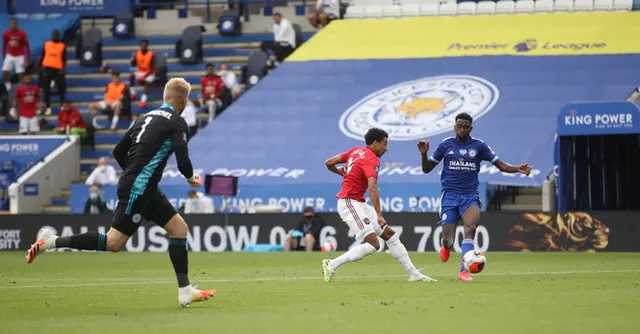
point(462, 156)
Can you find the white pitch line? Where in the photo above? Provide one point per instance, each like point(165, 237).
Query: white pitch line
point(147, 281)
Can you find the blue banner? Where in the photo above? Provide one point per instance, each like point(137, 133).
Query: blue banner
point(600, 118)
point(4, 6)
point(86, 8)
point(283, 130)
point(18, 154)
point(293, 198)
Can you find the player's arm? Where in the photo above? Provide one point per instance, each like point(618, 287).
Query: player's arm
point(121, 150)
point(508, 168)
point(332, 163)
point(5, 40)
point(429, 162)
point(152, 67)
point(374, 196)
point(27, 50)
point(16, 98)
point(64, 58)
point(181, 150)
point(44, 54)
point(487, 154)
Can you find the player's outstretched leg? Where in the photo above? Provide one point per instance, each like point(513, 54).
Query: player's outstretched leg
point(369, 246)
point(399, 252)
point(85, 241)
point(470, 218)
point(187, 294)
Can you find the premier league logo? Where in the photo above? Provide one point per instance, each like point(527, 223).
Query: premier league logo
point(421, 108)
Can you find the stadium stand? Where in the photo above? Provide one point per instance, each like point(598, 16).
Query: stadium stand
point(410, 8)
point(87, 84)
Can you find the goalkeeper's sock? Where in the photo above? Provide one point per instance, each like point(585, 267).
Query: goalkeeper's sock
point(467, 245)
point(180, 260)
point(399, 252)
point(86, 241)
point(354, 254)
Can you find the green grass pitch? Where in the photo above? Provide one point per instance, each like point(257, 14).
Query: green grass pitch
point(122, 293)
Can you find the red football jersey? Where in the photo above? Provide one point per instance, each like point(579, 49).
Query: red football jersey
point(70, 118)
point(211, 86)
point(362, 164)
point(28, 98)
point(15, 43)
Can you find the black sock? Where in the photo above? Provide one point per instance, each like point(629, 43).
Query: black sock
point(180, 260)
point(88, 241)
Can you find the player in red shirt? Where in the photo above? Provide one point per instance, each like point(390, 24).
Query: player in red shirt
point(70, 121)
point(366, 222)
point(15, 52)
point(28, 96)
point(212, 88)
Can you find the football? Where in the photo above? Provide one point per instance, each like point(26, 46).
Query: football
point(328, 247)
point(474, 261)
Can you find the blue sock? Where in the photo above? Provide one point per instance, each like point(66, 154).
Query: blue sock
point(467, 245)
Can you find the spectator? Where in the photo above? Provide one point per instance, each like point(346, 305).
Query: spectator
point(198, 203)
point(326, 11)
point(212, 88)
point(104, 174)
point(28, 96)
point(112, 101)
point(70, 121)
point(15, 52)
point(284, 38)
point(189, 115)
point(95, 204)
point(53, 63)
point(145, 74)
point(231, 88)
point(307, 235)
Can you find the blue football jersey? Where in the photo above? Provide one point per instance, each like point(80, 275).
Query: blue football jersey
point(461, 163)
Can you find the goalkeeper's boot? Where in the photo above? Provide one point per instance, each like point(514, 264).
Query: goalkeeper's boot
point(464, 276)
point(190, 294)
point(46, 240)
point(422, 278)
point(327, 270)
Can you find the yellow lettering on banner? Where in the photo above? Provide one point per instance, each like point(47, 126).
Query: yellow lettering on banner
point(517, 35)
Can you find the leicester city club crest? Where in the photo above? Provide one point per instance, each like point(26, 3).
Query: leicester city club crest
point(420, 108)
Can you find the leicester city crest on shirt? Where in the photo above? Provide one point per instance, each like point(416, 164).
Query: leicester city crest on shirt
point(472, 153)
point(420, 108)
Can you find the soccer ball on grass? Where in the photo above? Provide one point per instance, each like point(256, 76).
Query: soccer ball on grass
point(474, 261)
point(328, 247)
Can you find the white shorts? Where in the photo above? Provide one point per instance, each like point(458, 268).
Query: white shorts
point(112, 106)
point(149, 79)
point(12, 63)
point(361, 217)
point(29, 125)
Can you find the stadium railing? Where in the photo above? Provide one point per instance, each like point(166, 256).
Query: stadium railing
point(46, 179)
point(152, 6)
